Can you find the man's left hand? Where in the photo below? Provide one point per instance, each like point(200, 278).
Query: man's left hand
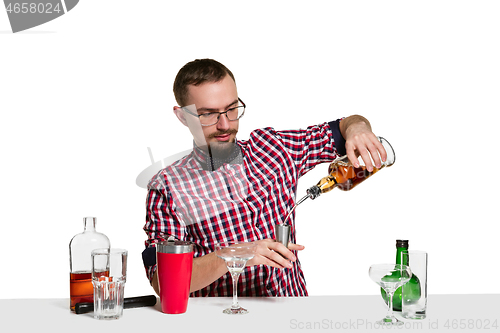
point(360, 141)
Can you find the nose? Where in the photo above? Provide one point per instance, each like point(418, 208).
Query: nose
point(223, 123)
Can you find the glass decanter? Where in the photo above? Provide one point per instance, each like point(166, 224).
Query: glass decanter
point(80, 261)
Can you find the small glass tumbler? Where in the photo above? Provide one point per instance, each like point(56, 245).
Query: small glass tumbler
point(413, 307)
point(109, 274)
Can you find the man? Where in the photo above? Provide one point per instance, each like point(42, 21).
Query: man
point(232, 190)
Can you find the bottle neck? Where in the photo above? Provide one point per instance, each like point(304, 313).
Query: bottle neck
point(400, 260)
point(89, 224)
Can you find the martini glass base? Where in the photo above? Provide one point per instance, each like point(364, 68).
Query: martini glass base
point(235, 311)
point(390, 321)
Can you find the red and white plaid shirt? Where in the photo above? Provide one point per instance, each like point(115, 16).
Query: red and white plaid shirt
point(238, 202)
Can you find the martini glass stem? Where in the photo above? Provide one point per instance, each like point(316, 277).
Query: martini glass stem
point(235, 277)
point(389, 307)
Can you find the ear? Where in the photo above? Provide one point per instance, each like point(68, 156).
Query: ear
point(180, 115)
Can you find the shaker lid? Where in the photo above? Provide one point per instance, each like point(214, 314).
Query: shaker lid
point(174, 246)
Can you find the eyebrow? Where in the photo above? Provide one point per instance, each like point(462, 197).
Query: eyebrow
point(215, 110)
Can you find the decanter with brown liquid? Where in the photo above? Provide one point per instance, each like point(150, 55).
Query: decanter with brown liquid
point(80, 261)
point(343, 175)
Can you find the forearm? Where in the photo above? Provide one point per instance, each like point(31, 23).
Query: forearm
point(347, 122)
point(206, 269)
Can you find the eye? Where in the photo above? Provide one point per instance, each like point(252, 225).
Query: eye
point(209, 114)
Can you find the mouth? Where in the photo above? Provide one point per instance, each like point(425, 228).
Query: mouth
point(224, 137)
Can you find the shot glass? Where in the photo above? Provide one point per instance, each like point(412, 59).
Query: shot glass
point(415, 306)
point(109, 274)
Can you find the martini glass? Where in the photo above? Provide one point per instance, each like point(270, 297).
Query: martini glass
point(236, 256)
point(390, 277)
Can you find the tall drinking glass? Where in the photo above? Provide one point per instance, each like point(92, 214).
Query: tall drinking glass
point(415, 307)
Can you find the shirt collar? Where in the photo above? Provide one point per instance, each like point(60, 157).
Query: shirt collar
point(212, 162)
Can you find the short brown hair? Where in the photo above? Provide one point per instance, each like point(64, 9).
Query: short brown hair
point(197, 72)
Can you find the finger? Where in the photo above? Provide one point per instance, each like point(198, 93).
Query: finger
point(366, 159)
point(351, 155)
point(295, 247)
point(374, 155)
point(271, 258)
point(381, 150)
point(261, 260)
point(267, 254)
point(378, 152)
point(282, 261)
point(283, 251)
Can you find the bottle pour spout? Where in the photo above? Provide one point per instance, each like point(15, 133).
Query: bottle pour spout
point(313, 192)
point(282, 230)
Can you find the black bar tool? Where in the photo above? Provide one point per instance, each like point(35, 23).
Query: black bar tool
point(128, 302)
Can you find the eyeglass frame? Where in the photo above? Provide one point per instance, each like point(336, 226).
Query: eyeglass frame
point(220, 113)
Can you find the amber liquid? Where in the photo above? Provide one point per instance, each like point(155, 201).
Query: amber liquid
point(344, 176)
point(81, 289)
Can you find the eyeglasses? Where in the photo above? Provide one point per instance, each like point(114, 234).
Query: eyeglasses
point(212, 118)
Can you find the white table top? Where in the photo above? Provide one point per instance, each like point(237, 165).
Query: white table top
point(470, 313)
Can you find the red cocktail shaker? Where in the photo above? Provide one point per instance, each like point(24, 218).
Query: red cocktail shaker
point(175, 264)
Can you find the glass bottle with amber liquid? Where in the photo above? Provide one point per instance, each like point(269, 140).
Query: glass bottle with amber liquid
point(342, 174)
point(80, 261)
point(412, 287)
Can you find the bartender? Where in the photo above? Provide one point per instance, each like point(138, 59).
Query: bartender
point(230, 190)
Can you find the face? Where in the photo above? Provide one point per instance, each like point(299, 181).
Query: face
point(211, 97)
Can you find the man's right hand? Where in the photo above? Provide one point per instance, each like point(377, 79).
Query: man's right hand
point(272, 253)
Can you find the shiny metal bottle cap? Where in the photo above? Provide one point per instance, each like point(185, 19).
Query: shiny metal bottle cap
point(174, 247)
point(402, 243)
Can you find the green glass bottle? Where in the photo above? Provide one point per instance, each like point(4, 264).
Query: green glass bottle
point(412, 293)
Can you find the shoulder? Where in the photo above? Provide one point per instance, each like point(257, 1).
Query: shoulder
point(267, 133)
point(160, 180)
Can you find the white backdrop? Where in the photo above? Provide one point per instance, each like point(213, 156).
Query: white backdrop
point(83, 96)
